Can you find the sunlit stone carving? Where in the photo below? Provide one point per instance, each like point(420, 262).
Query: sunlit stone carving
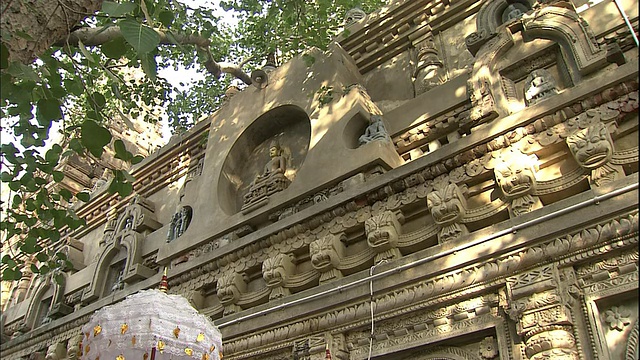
point(539, 85)
point(448, 206)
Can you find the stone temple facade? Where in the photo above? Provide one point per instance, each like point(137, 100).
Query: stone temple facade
point(452, 179)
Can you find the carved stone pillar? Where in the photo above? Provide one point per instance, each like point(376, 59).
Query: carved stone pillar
point(382, 232)
point(275, 272)
point(539, 302)
point(592, 148)
point(429, 70)
point(230, 287)
point(515, 176)
point(326, 254)
point(447, 206)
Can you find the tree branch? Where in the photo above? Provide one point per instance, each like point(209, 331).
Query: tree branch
point(98, 36)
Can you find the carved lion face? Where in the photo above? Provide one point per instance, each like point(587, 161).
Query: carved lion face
point(323, 254)
point(274, 270)
point(591, 147)
point(515, 178)
point(228, 291)
point(447, 206)
point(382, 231)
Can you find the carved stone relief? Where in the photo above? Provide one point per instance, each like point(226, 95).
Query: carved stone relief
point(382, 235)
point(447, 206)
point(429, 71)
point(539, 85)
point(275, 272)
point(375, 131)
point(592, 148)
point(270, 181)
point(230, 287)
point(515, 176)
point(543, 317)
point(326, 254)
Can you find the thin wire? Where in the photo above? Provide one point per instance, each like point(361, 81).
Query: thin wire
point(371, 304)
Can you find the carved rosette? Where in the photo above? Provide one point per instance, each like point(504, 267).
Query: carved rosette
point(275, 272)
point(447, 206)
point(230, 286)
point(326, 254)
point(538, 302)
point(382, 232)
point(515, 176)
point(592, 148)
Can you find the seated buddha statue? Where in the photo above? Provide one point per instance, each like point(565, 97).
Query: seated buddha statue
point(272, 178)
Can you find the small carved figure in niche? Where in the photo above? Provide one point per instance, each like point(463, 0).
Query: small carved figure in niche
point(179, 223)
point(375, 131)
point(354, 15)
point(272, 178)
point(513, 11)
point(118, 284)
point(429, 70)
point(539, 85)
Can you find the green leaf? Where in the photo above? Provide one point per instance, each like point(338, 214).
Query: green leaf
point(23, 72)
point(29, 245)
point(58, 176)
point(98, 100)
point(48, 110)
point(149, 65)
point(4, 56)
point(136, 159)
point(42, 257)
point(83, 196)
point(141, 37)
point(66, 194)
point(115, 49)
point(115, 9)
point(10, 274)
point(86, 52)
point(166, 18)
point(94, 137)
point(58, 278)
point(121, 150)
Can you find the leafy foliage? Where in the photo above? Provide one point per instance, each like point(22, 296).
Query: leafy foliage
point(82, 88)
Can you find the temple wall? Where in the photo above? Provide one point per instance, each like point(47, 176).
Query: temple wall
point(473, 180)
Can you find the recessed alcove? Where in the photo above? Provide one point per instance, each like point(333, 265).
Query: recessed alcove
point(290, 126)
point(354, 129)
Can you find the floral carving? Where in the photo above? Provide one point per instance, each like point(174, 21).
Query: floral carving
point(617, 318)
point(488, 348)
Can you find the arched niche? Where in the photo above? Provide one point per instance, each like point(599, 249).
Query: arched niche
point(580, 54)
point(46, 295)
point(136, 219)
point(443, 353)
point(289, 125)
